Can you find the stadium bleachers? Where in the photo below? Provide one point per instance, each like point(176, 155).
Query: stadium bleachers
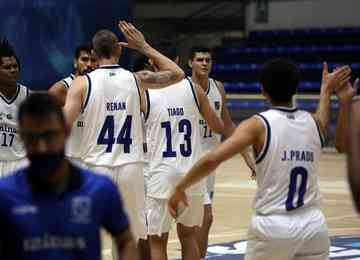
point(238, 64)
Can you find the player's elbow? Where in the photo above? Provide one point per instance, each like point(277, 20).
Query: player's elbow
point(179, 74)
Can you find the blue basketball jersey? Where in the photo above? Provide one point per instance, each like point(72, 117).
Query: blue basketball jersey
point(36, 224)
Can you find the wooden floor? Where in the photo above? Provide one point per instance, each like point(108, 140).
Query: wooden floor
point(235, 192)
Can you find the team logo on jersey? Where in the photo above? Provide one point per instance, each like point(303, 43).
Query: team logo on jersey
point(290, 116)
point(3, 115)
point(81, 210)
point(217, 105)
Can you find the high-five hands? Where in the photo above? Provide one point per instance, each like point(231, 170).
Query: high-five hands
point(135, 39)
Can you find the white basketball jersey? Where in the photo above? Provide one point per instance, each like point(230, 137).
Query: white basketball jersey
point(210, 139)
point(286, 167)
point(113, 134)
point(11, 147)
point(73, 146)
point(172, 136)
point(67, 81)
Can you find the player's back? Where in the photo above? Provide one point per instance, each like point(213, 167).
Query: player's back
point(287, 165)
point(73, 145)
point(11, 147)
point(172, 136)
point(112, 134)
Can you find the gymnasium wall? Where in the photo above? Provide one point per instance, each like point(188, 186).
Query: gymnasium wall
point(306, 14)
point(45, 33)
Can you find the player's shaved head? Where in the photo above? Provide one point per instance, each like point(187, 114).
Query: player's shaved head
point(105, 43)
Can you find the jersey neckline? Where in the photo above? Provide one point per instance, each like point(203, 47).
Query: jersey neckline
point(11, 100)
point(113, 66)
point(285, 109)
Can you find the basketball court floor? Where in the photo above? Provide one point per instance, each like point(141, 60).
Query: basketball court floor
point(233, 209)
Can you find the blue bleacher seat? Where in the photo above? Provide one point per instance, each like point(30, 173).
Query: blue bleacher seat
point(254, 87)
point(262, 104)
point(254, 66)
point(288, 50)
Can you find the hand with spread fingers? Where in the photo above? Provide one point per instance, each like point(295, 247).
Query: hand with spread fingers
point(135, 38)
point(175, 199)
point(330, 81)
point(347, 91)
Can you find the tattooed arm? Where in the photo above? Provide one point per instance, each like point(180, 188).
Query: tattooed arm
point(153, 80)
point(169, 72)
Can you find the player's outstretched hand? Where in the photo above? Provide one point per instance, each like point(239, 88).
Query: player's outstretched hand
point(175, 199)
point(346, 92)
point(135, 39)
point(335, 79)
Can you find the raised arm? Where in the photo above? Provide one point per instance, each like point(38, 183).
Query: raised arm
point(345, 95)
point(225, 114)
point(354, 152)
point(75, 99)
point(248, 133)
point(329, 82)
point(214, 122)
point(59, 91)
point(247, 153)
point(169, 72)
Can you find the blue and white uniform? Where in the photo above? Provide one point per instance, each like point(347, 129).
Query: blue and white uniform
point(211, 140)
point(112, 136)
point(73, 145)
point(174, 146)
point(39, 224)
point(288, 222)
point(12, 151)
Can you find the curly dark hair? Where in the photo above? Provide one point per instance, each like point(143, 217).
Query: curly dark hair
point(6, 50)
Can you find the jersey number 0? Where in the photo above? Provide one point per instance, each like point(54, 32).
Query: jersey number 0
point(298, 182)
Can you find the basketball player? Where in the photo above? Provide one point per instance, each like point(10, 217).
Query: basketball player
point(84, 62)
point(109, 97)
point(288, 223)
point(12, 153)
point(354, 153)
point(141, 62)
point(347, 137)
point(345, 96)
point(53, 209)
point(200, 62)
point(174, 145)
